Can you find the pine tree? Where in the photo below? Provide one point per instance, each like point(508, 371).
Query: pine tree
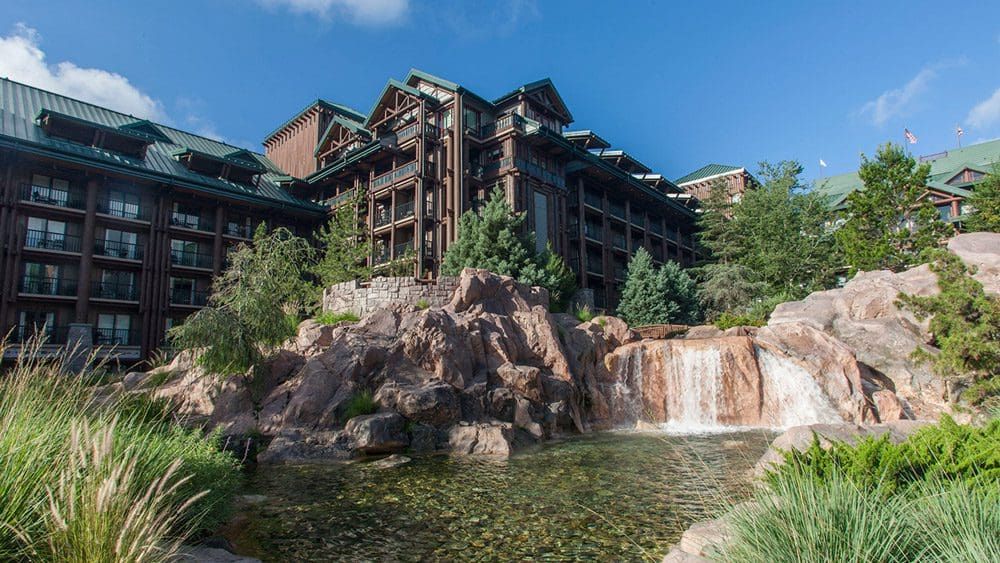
point(985, 201)
point(714, 234)
point(680, 294)
point(344, 240)
point(643, 301)
point(888, 224)
point(494, 239)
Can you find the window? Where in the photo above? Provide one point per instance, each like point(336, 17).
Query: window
point(945, 212)
point(45, 233)
point(35, 322)
point(471, 117)
point(446, 119)
point(123, 204)
point(41, 279)
point(113, 329)
point(122, 244)
point(54, 191)
point(117, 285)
point(186, 216)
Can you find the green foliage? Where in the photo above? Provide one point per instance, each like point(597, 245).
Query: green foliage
point(965, 322)
point(657, 296)
point(344, 240)
point(755, 314)
point(361, 403)
point(773, 241)
point(48, 420)
point(494, 239)
point(331, 318)
point(945, 451)
point(934, 497)
point(250, 303)
point(583, 314)
point(728, 320)
point(422, 304)
point(888, 225)
point(985, 200)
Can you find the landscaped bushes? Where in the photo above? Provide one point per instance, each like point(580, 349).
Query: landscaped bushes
point(934, 497)
point(85, 479)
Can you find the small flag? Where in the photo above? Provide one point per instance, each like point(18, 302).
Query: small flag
point(910, 136)
point(822, 163)
point(958, 130)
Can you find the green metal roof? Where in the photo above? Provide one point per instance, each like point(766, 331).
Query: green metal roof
point(543, 83)
point(446, 84)
point(20, 103)
point(944, 166)
point(340, 109)
point(707, 171)
point(393, 83)
point(351, 126)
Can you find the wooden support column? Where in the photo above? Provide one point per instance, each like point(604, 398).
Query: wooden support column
point(418, 195)
point(582, 219)
point(87, 252)
point(663, 239)
point(628, 227)
point(217, 242)
point(8, 250)
point(605, 237)
point(392, 223)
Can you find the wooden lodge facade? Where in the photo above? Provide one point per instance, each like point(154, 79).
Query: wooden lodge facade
point(111, 227)
point(430, 150)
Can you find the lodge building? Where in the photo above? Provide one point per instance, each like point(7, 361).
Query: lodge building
point(111, 227)
point(430, 150)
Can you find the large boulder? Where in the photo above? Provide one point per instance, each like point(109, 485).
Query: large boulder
point(378, 433)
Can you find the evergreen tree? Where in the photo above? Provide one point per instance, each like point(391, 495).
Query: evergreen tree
point(714, 235)
point(494, 239)
point(344, 240)
point(985, 201)
point(643, 301)
point(254, 303)
point(888, 223)
point(728, 288)
point(680, 294)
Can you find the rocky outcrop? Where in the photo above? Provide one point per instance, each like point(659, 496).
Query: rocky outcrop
point(491, 371)
point(863, 315)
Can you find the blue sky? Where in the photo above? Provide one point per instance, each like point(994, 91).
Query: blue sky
point(677, 84)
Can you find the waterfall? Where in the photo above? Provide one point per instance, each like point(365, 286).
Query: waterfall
point(716, 385)
point(791, 393)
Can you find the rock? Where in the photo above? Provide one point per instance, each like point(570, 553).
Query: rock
point(134, 379)
point(378, 433)
point(482, 439)
point(981, 251)
point(677, 555)
point(525, 380)
point(201, 554)
point(706, 538)
point(395, 460)
point(434, 403)
point(801, 437)
point(313, 337)
point(293, 446)
point(250, 499)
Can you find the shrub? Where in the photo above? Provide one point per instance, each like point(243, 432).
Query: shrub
point(331, 318)
point(361, 403)
point(45, 417)
point(728, 320)
point(583, 314)
point(423, 304)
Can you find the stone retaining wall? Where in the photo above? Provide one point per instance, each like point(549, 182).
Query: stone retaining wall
point(361, 298)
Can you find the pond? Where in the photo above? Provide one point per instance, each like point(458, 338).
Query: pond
point(614, 496)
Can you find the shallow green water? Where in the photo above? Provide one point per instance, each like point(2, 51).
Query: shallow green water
point(606, 497)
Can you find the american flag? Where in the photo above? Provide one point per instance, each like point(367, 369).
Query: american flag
point(959, 132)
point(910, 136)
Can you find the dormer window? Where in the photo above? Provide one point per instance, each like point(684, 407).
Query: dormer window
point(238, 166)
point(121, 140)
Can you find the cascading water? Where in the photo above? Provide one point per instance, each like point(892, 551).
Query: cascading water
point(716, 385)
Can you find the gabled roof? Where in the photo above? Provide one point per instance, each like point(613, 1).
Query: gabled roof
point(351, 126)
point(620, 154)
point(538, 85)
point(446, 84)
point(707, 171)
point(147, 128)
point(20, 103)
point(395, 84)
point(336, 108)
point(589, 138)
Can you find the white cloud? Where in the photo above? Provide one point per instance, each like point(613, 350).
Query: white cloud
point(22, 59)
point(986, 112)
point(362, 12)
point(899, 101)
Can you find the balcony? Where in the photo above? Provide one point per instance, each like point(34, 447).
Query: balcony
point(639, 219)
point(38, 285)
point(381, 218)
point(337, 199)
point(381, 256)
point(118, 208)
point(187, 296)
point(505, 162)
point(404, 210)
point(191, 259)
point(238, 230)
point(53, 196)
point(593, 232)
point(655, 226)
point(52, 241)
point(594, 266)
point(617, 210)
point(192, 222)
point(593, 200)
point(541, 173)
point(402, 249)
point(116, 337)
point(51, 334)
point(113, 290)
point(413, 129)
point(118, 249)
point(618, 241)
point(509, 121)
point(394, 175)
